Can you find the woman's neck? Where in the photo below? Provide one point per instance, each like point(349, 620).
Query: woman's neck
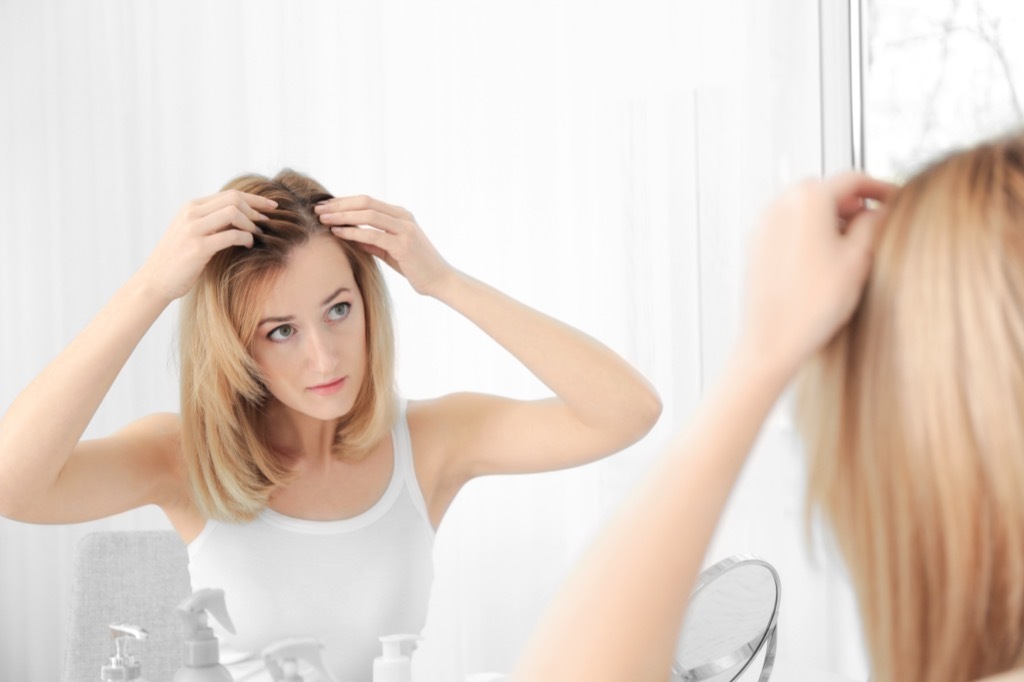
point(299, 437)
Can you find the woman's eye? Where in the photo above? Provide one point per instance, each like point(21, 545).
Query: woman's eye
point(281, 333)
point(339, 311)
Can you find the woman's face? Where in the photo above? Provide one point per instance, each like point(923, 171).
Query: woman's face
point(311, 340)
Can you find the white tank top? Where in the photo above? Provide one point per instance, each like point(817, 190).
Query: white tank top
point(344, 582)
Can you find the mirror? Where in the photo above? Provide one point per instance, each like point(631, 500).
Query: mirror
point(731, 616)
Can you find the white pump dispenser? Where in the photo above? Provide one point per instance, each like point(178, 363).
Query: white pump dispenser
point(282, 659)
point(393, 666)
point(123, 665)
point(200, 650)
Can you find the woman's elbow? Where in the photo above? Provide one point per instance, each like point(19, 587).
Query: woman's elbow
point(643, 413)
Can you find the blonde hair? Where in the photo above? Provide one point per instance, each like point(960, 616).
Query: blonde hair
point(913, 420)
point(231, 468)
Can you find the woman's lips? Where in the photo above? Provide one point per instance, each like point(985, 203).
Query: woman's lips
point(329, 388)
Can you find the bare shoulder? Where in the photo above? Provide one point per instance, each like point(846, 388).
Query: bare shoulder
point(155, 426)
point(1010, 676)
point(455, 407)
point(440, 422)
point(158, 435)
point(439, 428)
point(425, 419)
point(153, 442)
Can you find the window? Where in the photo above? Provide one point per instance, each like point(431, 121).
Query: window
point(937, 76)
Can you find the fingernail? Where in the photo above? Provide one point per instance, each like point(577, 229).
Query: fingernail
point(263, 217)
point(272, 203)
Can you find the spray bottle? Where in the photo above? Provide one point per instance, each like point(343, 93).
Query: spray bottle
point(282, 659)
point(393, 666)
point(200, 650)
point(123, 665)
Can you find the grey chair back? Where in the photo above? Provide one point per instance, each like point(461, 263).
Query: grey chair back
point(135, 577)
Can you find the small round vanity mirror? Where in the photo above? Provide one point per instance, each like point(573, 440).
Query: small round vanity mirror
point(731, 617)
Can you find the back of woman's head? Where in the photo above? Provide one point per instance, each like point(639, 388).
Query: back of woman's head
point(223, 397)
point(913, 419)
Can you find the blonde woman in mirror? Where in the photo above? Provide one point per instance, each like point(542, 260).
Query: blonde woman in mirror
point(905, 325)
point(303, 485)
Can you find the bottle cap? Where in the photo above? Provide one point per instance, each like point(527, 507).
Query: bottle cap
point(393, 645)
point(282, 658)
point(123, 665)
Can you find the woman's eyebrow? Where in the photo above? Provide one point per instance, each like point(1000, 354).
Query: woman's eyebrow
point(289, 318)
point(332, 296)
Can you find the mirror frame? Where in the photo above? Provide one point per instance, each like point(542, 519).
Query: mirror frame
point(746, 653)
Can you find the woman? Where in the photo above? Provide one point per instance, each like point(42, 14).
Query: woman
point(303, 486)
point(911, 412)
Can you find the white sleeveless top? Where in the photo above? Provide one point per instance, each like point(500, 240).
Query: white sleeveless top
point(344, 582)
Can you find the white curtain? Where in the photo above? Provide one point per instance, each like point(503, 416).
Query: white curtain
point(602, 162)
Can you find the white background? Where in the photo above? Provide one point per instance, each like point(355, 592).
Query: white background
point(601, 161)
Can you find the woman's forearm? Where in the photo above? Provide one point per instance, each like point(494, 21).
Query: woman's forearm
point(44, 423)
point(619, 612)
point(600, 388)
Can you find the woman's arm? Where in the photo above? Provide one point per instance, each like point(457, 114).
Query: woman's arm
point(46, 475)
point(601, 403)
point(619, 613)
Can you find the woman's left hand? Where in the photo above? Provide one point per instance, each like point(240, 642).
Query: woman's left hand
point(809, 262)
point(391, 234)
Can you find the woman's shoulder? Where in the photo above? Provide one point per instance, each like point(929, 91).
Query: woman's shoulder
point(436, 421)
point(451, 406)
point(162, 429)
point(1009, 676)
point(423, 418)
point(157, 437)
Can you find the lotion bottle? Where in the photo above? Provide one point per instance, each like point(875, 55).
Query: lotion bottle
point(123, 665)
point(282, 659)
point(200, 650)
point(393, 666)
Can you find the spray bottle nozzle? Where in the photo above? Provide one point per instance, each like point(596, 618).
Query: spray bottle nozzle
point(193, 609)
point(123, 665)
point(200, 647)
point(282, 658)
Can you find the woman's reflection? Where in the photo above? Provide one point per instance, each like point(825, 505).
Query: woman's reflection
point(305, 487)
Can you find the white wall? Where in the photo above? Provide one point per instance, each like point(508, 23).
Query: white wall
point(602, 162)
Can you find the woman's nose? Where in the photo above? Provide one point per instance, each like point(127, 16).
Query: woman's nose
point(323, 358)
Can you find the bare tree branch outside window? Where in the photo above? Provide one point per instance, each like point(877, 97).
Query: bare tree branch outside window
point(938, 76)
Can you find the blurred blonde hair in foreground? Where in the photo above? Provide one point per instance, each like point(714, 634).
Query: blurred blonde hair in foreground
point(913, 421)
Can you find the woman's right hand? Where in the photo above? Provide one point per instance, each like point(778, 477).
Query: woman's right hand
point(202, 228)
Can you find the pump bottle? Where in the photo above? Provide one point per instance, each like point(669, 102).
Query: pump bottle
point(393, 666)
point(123, 665)
point(200, 650)
point(282, 659)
